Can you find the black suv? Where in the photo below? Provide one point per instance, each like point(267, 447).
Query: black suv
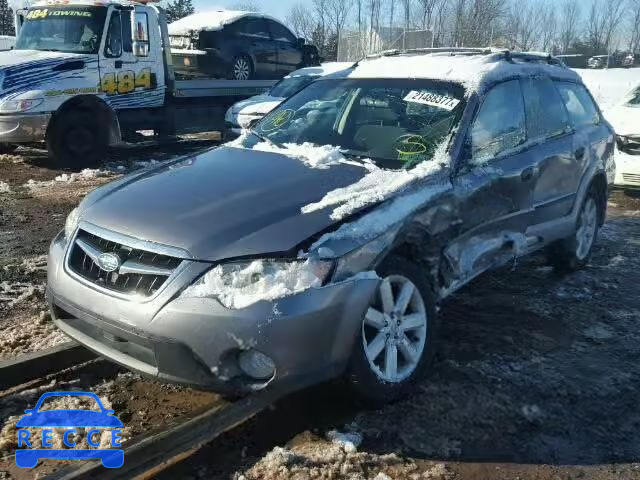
point(250, 46)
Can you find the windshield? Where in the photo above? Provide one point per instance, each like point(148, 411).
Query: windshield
point(397, 123)
point(74, 30)
point(290, 85)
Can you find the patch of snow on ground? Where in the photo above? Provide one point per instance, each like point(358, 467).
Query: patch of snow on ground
point(260, 280)
point(12, 293)
point(30, 336)
point(4, 187)
point(350, 441)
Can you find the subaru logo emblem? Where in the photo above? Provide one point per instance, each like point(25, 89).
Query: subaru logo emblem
point(109, 262)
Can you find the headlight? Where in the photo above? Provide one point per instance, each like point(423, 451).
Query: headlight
point(20, 105)
point(240, 284)
point(71, 224)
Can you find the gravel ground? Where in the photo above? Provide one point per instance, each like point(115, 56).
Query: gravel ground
point(536, 375)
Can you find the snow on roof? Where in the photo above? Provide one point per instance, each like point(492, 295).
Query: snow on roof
point(321, 70)
point(211, 20)
point(472, 71)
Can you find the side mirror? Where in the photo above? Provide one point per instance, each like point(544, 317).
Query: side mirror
point(301, 41)
point(253, 122)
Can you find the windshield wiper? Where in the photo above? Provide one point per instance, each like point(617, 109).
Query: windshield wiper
point(267, 140)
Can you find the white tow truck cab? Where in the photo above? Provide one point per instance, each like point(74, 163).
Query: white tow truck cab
point(86, 74)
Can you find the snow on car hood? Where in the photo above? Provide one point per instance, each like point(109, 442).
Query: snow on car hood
point(625, 119)
point(224, 203)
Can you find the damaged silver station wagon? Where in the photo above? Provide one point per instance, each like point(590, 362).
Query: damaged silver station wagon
point(319, 243)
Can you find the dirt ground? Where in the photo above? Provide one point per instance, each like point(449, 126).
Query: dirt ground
point(536, 375)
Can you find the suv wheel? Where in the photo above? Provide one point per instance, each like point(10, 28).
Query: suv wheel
point(242, 68)
point(573, 253)
point(395, 341)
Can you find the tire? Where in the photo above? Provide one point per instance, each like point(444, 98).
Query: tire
point(573, 253)
point(241, 68)
point(6, 148)
point(368, 376)
point(77, 139)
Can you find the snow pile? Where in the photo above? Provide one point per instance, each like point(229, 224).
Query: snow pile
point(311, 155)
point(238, 286)
point(86, 174)
point(610, 86)
point(13, 293)
point(349, 441)
point(378, 185)
point(4, 187)
point(28, 336)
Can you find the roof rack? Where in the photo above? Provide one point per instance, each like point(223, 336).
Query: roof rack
point(501, 54)
point(530, 57)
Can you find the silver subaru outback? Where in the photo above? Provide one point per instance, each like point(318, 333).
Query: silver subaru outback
point(319, 243)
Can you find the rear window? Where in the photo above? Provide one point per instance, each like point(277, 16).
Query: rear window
point(546, 113)
point(580, 106)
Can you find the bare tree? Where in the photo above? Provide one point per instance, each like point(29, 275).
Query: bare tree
point(337, 13)
point(569, 21)
point(603, 22)
point(549, 28)
point(301, 21)
point(634, 31)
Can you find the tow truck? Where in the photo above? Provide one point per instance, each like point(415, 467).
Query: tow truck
point(85, 75)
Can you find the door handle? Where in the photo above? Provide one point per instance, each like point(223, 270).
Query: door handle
point(527, 174)
point(579, 153)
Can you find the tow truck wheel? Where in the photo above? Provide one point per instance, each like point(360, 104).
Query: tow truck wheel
point(7, 148)
point(77, 139)
point(395, 343)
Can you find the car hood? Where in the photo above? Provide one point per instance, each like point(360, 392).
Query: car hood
point(624, 119)
point(22, 70)
point(258, 105)
point(224, 203)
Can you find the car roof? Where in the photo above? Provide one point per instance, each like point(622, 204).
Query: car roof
point(212, 20)
point(474, 69)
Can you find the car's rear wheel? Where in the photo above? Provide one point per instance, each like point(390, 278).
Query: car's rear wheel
point(395, 341)
point(242, 68)
point(573, 253)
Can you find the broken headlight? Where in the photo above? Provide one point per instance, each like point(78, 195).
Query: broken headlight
point(240, 284)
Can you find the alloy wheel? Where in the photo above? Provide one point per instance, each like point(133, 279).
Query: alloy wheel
point(241, 69)
point(394, 329)
point(587, 227)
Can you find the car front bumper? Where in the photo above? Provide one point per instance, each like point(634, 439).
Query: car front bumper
point(23, 128)
point(627, 170)
point(197, 341)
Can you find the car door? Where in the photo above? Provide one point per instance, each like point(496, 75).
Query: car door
point(255, 40)
point(493, 185)
point(559, 152)
point(289, 51)
point(131, 72)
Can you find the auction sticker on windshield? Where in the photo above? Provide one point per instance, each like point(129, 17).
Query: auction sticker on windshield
point(84, 430)
point(432, 99)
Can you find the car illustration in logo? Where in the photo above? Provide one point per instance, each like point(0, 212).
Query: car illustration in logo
point(95, 421)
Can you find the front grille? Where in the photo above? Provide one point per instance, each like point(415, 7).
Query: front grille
point(139, 272)
point(631, 177)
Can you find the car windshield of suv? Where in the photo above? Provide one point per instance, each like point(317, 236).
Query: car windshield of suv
point(397, 123)
point(290, 85)
point(74, 29)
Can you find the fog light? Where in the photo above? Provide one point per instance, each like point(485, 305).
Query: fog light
point(256, 364)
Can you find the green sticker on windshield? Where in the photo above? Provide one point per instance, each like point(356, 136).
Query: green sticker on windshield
point(277, 120)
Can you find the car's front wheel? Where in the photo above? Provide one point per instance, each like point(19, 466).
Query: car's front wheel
point(396, 337)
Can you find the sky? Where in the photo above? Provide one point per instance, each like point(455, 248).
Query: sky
point(278, 8)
